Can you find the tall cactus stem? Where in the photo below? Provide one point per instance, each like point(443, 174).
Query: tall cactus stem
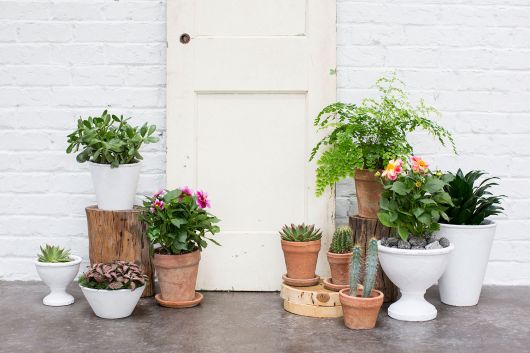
point(355, 270)
point(370, 268)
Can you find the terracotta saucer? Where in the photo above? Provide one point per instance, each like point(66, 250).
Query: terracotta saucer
point(328, 284)
point(300, 282)
point(181, 304)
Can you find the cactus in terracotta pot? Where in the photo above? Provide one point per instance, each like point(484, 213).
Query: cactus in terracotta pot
point(339, 258)
point(361, 306)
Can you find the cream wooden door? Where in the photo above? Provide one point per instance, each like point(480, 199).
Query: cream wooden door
point(241, 97)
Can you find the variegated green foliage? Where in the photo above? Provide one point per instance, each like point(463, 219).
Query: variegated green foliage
point(113, 276)
point(301, 232)
point(342, 242)
point(52, 253)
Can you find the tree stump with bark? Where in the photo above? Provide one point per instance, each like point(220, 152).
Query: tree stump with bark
point(363, 230)
point(120, 235)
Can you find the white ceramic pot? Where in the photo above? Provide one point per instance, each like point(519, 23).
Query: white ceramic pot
point(57, 276)
point(461, 283)
point(115, 187)
point(112, 304)
point(413, 271)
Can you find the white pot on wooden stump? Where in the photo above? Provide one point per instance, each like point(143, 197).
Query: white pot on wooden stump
point(413, 271)
point(112, 304)
point(115, 187)
point(57, 276)
point(461, 283)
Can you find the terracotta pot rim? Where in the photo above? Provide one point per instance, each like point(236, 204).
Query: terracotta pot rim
point(366, 174)
point(333, 254)
point(300, 243)
point(379, 296)
point(170, 255)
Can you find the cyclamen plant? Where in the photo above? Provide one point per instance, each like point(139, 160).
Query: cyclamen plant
point(413, 199)
point(178, 221)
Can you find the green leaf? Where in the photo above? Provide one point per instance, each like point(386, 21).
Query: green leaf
point(433, 185)
point(399, 188)
point(403, 233)
point(425, 218)
point(384, 218)
point(177, 222)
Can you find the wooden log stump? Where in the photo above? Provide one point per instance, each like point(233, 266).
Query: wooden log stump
point(314, 301)
point(120, 235)
point(363, 229)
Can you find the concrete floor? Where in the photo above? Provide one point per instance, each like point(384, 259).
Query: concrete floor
point(255, 322)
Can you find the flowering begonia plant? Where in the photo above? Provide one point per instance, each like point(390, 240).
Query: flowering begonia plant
point(178, 221)
point(413, 199)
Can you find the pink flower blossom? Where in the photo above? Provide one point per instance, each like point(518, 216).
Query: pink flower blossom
point(158, 204)
point(160, 193)
point(393, 169)
point(202, 199)
point(152, 209)
point(418, 164)
point(185, 191)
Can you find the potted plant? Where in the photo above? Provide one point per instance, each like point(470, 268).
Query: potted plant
point(57, 268)
point(472, 234)
point(339, 259)
point(111, 147)
point(361, 306)
point(362, 138)
point(412, 203)
point(178, 222)
point(300, 245)
point(113, 289)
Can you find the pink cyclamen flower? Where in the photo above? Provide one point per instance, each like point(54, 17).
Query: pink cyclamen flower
point(159, 204)
point(160, 193)
point(393, 169)
point(418, 164)
point(202, 199)
point(185, 191)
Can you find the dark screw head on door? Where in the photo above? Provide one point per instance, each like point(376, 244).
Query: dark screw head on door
point(185, 38)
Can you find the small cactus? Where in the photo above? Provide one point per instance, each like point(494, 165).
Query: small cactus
point(370, 270)
point(355, 270)
point(342, 241)
point(300, 232)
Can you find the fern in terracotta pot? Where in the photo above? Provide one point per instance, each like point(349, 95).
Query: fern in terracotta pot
point(178, 223)
point(362, 138)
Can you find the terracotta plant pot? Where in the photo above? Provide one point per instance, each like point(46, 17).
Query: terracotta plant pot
point(360, 313)
point(339, 265)
point(368, 190)
point(177, 275)
point(301, 258)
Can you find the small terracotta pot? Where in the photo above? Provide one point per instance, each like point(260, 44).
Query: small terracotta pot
point(339, 265)
point(360, 313)
point(301, 258)
point(368, 190)
point(177, 275)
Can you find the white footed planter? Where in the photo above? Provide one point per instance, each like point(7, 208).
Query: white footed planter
point(115, 187)
point(461, 283)
point(112, 304)
point(57, 276)
point(413, 271)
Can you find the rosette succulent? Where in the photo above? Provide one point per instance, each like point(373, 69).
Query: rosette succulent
point(301, 232)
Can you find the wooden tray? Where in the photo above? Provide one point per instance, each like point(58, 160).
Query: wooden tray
point(314, 301)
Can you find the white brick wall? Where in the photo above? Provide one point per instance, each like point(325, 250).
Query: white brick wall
point(470, 59)
point(64, 58)
point(60, 60)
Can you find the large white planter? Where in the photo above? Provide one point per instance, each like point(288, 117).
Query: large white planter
point(461, 283)
point(112, 304)
point(57, 276)
point(413, 271)
point(115, 187)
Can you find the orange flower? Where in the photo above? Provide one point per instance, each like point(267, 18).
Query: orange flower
point(418, 164)
point(393, 169)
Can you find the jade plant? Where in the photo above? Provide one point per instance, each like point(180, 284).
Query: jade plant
point(178, 221)
point(113, 276)
point(300, 233)
point(341, 243)
point(414, 199)
point(472, 201)
point(109, 139)
point(53, 254)
point(366, 135)
point(370, 269)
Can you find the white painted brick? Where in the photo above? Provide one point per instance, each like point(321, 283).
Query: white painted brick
point(25, 54)
point(101, 75)
point(8, 32)
point(75, 10)
point(127, 32)
point(135, 10)
point(77, 54)
point(147, 54)
point(24, 10)
point(44, 32)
